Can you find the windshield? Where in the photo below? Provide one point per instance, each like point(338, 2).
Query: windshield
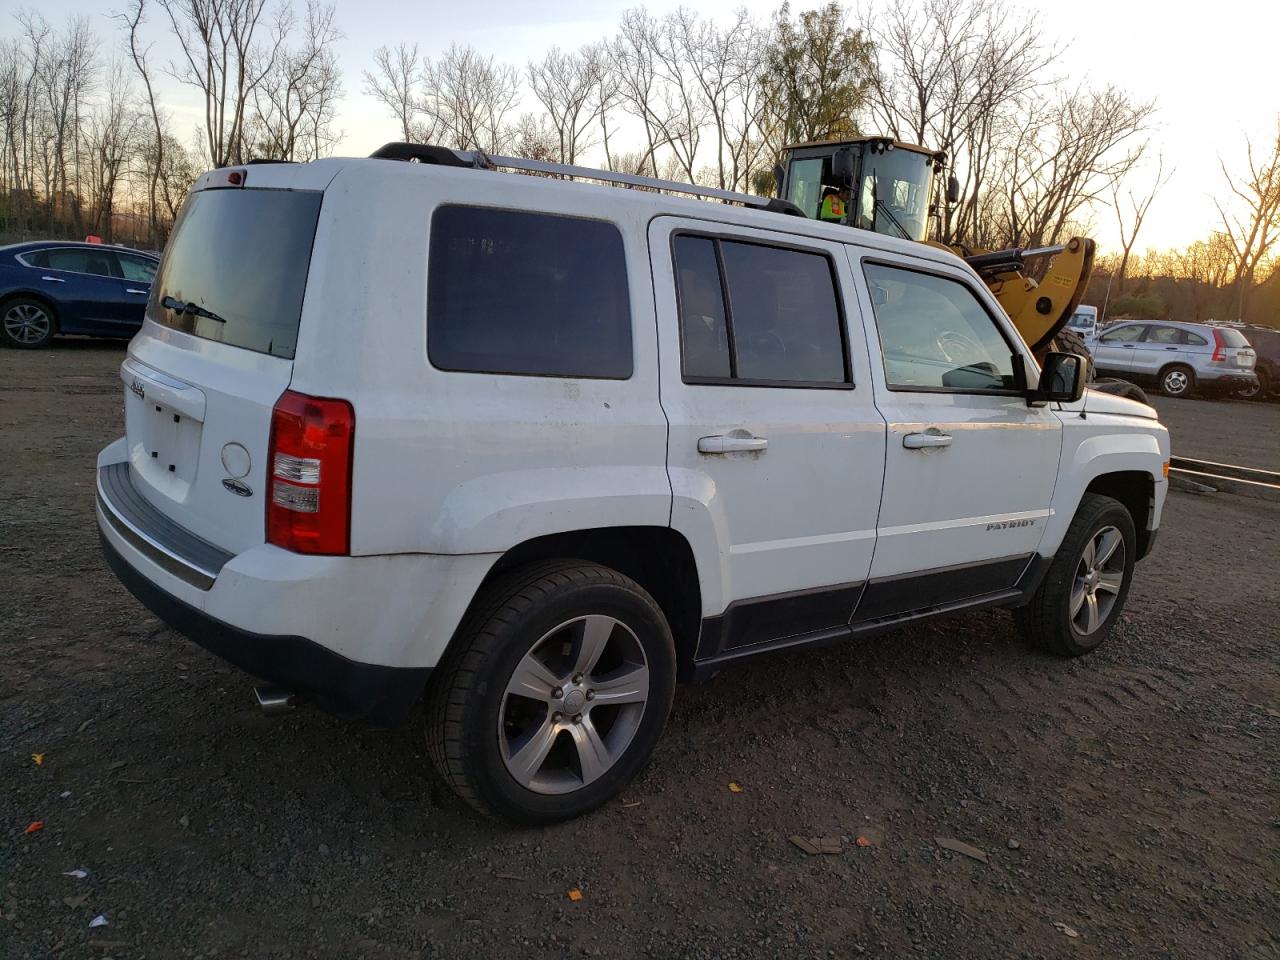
point(236, 268)
point(894, 197)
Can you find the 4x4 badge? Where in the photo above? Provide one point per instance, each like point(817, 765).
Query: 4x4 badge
point(136, 387)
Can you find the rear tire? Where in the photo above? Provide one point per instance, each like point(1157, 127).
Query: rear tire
point(1261, 391)
point(555, 694)
point(27, 323)
point(1087, 584)
point(1177, 381)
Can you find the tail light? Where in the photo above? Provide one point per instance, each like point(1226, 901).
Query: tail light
point(1219, 347)
point(309, 508)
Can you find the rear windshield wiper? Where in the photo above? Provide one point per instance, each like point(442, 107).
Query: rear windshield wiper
point(179, 306)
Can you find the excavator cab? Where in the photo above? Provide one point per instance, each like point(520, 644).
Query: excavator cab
point(881, 184)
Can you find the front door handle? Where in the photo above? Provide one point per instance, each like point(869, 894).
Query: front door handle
point(920, 441)
point(731, 444)
point(134, 290)
point(1171, 348)
point(54, 279)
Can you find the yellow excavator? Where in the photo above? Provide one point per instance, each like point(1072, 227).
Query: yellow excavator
point(881, 184)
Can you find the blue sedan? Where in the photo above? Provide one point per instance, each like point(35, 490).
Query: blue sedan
point(52, 286)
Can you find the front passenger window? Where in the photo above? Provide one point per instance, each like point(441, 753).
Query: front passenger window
point(935, 335)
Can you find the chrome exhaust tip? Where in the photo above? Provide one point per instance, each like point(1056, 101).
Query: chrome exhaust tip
point(274, 700)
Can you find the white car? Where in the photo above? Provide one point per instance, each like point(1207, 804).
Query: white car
point(534, 449)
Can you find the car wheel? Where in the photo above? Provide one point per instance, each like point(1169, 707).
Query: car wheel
point(27, 323)
point(1082, 594)
point(1256, 391)
point(555, 695)
point(1177, 381)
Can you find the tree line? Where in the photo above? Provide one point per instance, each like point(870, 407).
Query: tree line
point(88, 147)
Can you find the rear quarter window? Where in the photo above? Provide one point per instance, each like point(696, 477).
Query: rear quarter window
point(533, 294)
point(1231, 338)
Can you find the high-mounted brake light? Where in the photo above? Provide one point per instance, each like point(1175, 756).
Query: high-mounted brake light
point(309, 506)
point(1219, 345)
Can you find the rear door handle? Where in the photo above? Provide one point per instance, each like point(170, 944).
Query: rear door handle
point(919, 441)
point(54, 279)
point(134, 290)
point(1171, 348)
point(731, 444)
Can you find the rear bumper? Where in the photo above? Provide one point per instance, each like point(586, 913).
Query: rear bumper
point(363, 691)
point(357, 635)
point(1241, 379)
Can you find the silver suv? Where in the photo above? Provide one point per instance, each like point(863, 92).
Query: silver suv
point(1179, 357)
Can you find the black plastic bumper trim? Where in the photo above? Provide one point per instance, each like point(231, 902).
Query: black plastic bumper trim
point(169, 546)
point(359, 691)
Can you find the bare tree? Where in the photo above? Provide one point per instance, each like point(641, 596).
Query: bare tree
point(471, 96)
point(395, 81)
point(1068, 153)
point(111, 139)
point(567, 84)
point(131, 20)
point(294, 105)
point(228, 48)
point(640, 88)
point(1129, 217)
point(957, 76)
point(1255, 229)
point(66, 75)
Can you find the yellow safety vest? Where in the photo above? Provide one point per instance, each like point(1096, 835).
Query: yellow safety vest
point(832, 207)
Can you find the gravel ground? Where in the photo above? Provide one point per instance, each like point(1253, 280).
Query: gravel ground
point(1243, 432)
point(1126, 802)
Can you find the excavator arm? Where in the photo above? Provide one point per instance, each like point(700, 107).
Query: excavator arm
point(1038, 310)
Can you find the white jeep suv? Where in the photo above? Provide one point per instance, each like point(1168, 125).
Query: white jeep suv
point(533, 449)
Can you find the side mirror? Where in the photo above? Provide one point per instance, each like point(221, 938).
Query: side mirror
point(1062, 379)
point(842, 167)
point(953, 189)
point(778, 175)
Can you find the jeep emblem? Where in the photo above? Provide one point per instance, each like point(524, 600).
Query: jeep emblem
point(238, 487)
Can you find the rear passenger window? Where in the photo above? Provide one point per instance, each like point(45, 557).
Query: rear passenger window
point(527, 293)
point(756, 314)
point(1164, 335)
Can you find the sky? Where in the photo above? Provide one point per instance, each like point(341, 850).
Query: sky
point(1209, 67)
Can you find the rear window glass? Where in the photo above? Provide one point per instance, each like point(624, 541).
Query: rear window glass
point(1231, 338)
point(235, 269)
point(527, 293)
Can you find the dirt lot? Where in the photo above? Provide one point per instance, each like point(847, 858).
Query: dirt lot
point(1130, 797)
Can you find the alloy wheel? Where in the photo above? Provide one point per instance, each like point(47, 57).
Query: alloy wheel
point(27, 323)
point(573, 704)
point(1099, 576)
point(1176, 382)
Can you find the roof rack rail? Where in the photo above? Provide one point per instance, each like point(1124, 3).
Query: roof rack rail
point(477, 159)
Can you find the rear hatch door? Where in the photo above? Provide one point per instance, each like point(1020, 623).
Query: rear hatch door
point(206, 370)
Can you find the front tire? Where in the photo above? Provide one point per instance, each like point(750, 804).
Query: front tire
point(27, 323)
point(1085, 589)
point(1177, 381)
point(556, 694)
